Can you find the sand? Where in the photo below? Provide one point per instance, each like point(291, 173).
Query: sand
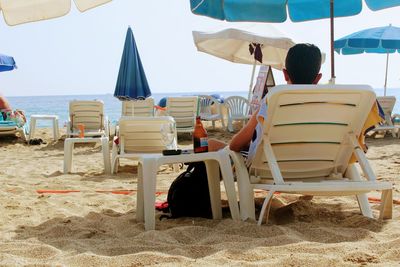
point(89, 228)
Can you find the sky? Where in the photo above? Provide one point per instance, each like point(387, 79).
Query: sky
point(80, 53)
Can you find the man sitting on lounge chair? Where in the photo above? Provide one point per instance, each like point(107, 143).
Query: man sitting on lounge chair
point(302, 66)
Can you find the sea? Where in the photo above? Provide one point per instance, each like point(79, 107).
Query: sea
point(58, 105)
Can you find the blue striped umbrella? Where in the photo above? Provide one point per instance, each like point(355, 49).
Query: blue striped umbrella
point(277, 11)
point(381, 40)
point(7, 63)
point(131, 83)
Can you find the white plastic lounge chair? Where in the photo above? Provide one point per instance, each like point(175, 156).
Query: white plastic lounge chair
point(184, 112)
point(139, 135)
point(138, 108)
point(91, 114)
point(309, 137)
point(11, 128)
point(387, 103)
point(238, 108)
point(210, 109)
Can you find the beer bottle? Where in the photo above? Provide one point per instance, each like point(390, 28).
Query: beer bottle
point(200, 137)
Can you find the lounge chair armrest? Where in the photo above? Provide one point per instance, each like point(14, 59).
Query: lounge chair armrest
point(362, 159)
point(237, 158)
point(240, 167)
point(246, 194)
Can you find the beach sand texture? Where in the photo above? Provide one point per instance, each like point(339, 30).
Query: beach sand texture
point(90, 228)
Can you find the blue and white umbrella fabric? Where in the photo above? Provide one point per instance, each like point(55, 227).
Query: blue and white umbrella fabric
point(278, 10)
point(381, 40)
point(7, 63)
point(132, 83)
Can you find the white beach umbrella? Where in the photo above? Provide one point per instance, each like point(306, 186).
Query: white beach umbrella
point(234, 44)
point(22, 11)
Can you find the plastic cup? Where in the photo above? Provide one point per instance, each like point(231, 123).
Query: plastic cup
point(81, 128)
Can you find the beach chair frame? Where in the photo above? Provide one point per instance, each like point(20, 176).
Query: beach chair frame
point(387, 104)
point(210, 109)
point(138, 108)
point(91, 114)
point(140, 135)
point(238, 109)
point(184, 111)
point(310, 134)
point(13, 129)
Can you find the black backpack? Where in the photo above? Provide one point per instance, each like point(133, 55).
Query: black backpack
point(188, 195)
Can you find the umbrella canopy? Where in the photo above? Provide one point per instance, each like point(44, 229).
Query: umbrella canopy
point(132, 83)
point(277, 11)
point(240, 43)
point(7, 63)
point(22, 11)
point(381, 40)
point(233, 43)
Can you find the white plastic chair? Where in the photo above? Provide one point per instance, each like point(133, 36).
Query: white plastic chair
point(138, 108)
point(238, 108)
point(210, 109)
point(140, 135)
point(90, 113)
point(387, 104)
point(310, 134)
point(184, 112)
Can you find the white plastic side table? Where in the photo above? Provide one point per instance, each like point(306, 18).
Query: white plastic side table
point(33, 120)
point(147, 179)
point(69, 147)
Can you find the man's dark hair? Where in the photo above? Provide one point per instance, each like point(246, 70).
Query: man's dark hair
point(303, 62)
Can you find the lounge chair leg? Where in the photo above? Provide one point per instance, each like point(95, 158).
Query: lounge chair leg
point(266, 207)
point(364, 205)
point(229, 184)
point(214, 188)
point(362, 199)
point(139, 196)
point(386, 209)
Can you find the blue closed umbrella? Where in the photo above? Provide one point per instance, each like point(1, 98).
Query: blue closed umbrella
point(7, 63)
point(132, 83)
point(277, 11)
point(381, 40)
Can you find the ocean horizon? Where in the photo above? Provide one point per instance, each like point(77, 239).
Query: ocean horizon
point(58, 104)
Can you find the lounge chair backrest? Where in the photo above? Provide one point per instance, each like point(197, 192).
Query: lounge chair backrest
point(87, 112)
point(387, 103)
point(237, 106)
point(309, 128)
point(184, 112)
point(138, 108)
point(143, 134)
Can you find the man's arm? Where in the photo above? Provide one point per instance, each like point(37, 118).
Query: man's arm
point(242, 139)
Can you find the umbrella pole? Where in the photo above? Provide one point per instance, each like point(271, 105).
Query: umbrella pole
point(387, 65)
point(332, 22)
point(251, 82)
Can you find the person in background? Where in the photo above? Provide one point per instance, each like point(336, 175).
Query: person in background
point(7, 113)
